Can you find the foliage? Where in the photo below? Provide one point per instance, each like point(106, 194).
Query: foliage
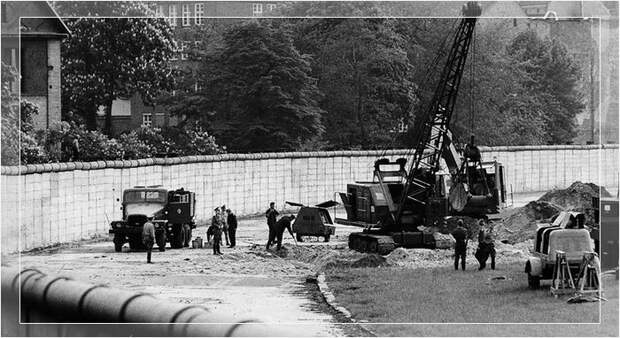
point(10, 118)
point(365, 75)
point(257, 93)
point(108, 58)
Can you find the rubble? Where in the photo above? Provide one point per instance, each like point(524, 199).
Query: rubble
point(577, 197)
point(521, 224)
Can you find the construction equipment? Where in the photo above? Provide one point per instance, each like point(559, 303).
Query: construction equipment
point(398, 201)
point(171, 211)
point(313, 220)
point(566, 235)
point(562, 282)
point(605, 231)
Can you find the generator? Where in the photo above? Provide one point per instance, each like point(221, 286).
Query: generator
point(313, 220)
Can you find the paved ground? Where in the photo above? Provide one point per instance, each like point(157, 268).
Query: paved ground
point(246, 282)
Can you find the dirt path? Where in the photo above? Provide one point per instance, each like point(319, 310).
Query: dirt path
point(246, 282)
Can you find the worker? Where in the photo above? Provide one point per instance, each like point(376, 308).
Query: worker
point(216, 217)
point(232, 227)
point(486, 245)
point(271, 215)
point(224, 223)
point(216, 231)
point(489, 241)
point(278, 230)
point(148, 238)
point(460, 247)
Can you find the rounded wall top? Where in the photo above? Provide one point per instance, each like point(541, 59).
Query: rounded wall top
point(68, 166)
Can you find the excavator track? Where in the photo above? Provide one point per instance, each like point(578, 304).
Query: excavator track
point(369, 243)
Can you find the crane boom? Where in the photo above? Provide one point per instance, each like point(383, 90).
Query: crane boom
point(433, 134)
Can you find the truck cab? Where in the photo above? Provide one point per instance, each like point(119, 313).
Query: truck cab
point(170, 211)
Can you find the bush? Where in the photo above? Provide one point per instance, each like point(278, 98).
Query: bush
point(68, 141)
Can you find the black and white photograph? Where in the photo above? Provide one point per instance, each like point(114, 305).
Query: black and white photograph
point(309, 168)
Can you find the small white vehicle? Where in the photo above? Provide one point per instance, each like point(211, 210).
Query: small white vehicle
point(568, 234)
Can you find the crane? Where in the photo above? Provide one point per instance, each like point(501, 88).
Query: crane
point(398, 201)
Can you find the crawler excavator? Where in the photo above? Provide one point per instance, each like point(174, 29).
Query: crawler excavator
point(398, 201)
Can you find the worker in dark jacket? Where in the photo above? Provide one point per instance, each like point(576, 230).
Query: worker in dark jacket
point(271, 215)
point(148, 238)
point(278, 230)
point(486, 245)
point(232, 227)
point(215, 231)
point(460, 247)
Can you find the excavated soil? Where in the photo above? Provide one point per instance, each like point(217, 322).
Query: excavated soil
point(520, 225)
point(321, 258)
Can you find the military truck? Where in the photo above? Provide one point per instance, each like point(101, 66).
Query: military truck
point(567, 233)
point(172, 213)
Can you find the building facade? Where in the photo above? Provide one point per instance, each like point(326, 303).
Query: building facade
point(186, 18)
point(31, 37)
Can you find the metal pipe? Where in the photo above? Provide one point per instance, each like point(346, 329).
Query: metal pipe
point(54, 300)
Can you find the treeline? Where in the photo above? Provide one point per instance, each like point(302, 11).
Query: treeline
point(299, 84)
point(296, 84)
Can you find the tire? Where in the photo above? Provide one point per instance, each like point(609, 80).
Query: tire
point(135, 244)
point(118, 243)
point(161, 241)
point(326, 238)
point(533, 281)
point(188, 235)
point(176, 241)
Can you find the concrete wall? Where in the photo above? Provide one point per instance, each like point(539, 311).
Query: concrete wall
point(55, 203)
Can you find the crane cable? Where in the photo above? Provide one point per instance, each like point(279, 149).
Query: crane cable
point(432, 65)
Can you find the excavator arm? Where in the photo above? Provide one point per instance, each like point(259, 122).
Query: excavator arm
point(433, 139)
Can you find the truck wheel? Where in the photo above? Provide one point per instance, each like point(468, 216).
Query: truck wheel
point(161, 241)
point(134, 244)
point(118, 242)
point(326, 238)
point(533, 281)
point(188, 235)
point(177, 237)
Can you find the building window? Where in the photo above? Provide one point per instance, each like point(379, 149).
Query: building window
point(257, 9)
point(34, 68)
point(271, 7)
point(186, 15)
point(514, 22)
point(183, 51)
point(147, 120)
point(159, 11)
point(199, 12)
point(172, 15)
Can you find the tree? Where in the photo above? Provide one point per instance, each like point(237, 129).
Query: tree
point(108, 58)
point(257, 94)
point(552, 78)
point(364, 73)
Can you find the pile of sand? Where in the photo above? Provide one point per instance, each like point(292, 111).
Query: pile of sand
point(323, 257)
point(521, 225)
point(577, 197)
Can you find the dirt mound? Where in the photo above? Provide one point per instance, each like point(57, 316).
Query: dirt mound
point(521, 224)
point(577, 197)
point(471, 224)
point(324, 257)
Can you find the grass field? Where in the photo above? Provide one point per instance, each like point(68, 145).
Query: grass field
point(396, 295)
